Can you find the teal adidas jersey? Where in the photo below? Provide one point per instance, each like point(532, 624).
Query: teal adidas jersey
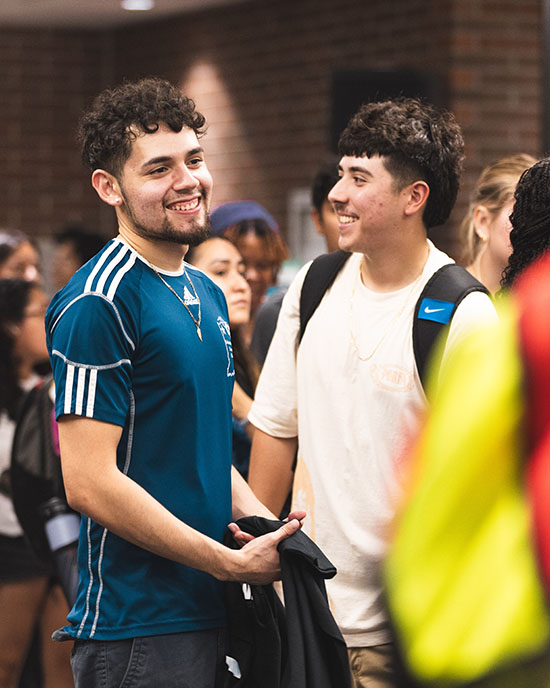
point(125, 350)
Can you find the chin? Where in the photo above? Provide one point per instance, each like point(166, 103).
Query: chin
point(238, 319)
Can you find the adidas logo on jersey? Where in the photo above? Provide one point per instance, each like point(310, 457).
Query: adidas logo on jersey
point(189, 299)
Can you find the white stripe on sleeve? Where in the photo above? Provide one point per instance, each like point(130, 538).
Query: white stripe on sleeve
point(80, 391)
point(69, 389)
point(91, 393)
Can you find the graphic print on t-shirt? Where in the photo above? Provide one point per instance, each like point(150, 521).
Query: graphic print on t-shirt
point(226, 335)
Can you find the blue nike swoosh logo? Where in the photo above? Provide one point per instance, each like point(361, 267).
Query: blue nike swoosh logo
point(433, 310)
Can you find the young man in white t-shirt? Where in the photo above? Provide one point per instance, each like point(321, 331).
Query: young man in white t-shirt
point(350, 395)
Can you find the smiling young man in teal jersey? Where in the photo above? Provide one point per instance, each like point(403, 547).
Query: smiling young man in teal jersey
point(141, 352)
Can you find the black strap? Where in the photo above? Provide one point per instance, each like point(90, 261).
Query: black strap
point(319, 278)
point(448, 286)
point(435, 308)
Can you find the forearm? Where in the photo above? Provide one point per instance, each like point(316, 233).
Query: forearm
point(245, 502)
point(97, 488)
point(127, 510)
point(270, 474)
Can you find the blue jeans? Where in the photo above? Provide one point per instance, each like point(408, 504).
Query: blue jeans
point(194, 659)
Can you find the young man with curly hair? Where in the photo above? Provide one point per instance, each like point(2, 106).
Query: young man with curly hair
point(349, 396)
point(141, 353)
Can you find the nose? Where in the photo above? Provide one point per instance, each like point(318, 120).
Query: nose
point(336, 194)
point(239, 282)
point(185, 179)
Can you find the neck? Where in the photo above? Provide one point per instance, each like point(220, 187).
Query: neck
point(386, 271)
point(165, 255)
point(487, 270)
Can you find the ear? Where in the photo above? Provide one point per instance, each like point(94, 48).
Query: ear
point(107, 187)
point(417, 196)
point(481, 220)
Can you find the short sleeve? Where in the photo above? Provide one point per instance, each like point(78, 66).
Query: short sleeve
point(275, 406)
point(91, 350)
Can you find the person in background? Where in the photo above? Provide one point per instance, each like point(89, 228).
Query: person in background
point(323, 214)
point(485, 230)
point(326, 223)
point(74, 246)
point(18, 257)
point(347, 397)
point(530, 218)
point(221, 261)
point(256, 235)
point(27, 596)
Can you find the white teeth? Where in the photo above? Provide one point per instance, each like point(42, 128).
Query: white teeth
point(189, 205)
point(346, 219)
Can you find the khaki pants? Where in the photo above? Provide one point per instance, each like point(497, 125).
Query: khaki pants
point(372, 667)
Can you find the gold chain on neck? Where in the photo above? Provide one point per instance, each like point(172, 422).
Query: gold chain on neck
point(368, 356)
point(195, 320)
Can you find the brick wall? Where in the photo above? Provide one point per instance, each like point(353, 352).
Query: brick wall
point(495, 81)
point(262, 74)
point(46, 78)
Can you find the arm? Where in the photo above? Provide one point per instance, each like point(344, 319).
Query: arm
point(270, 475)
point(97, 488)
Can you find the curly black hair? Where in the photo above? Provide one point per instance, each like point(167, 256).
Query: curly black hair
point(118, 115)
point(530, 218)
point(418, 142)
point(14, 298)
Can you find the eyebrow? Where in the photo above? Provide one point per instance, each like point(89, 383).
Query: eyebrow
point(357, 168)
point(167, 158)
point(219, 260)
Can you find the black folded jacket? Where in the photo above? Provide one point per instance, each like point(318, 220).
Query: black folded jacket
point(296, 646)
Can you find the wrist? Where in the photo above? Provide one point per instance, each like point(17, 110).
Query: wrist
point(226, 564)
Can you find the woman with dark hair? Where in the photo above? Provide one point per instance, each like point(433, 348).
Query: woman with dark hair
point(530, 218)
point(26, 594)
point(18, 257)
point(221, 261)
point(255, 233)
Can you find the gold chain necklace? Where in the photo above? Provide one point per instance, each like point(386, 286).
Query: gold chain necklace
point(195, 320)
point(367, 357)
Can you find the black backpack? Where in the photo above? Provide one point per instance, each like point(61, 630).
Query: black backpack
point(434, 309)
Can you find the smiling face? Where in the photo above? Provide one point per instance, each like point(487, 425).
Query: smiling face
point(224, 265)
point(166, 187)
point(368, 204)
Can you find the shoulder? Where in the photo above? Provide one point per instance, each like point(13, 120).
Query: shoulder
point(108, 285)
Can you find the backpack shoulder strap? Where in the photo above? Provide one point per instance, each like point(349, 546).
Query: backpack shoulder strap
point(320, 276)
point(435, 308)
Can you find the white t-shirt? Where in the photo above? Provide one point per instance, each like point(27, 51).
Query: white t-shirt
point(9, 525)
point(352, 418)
